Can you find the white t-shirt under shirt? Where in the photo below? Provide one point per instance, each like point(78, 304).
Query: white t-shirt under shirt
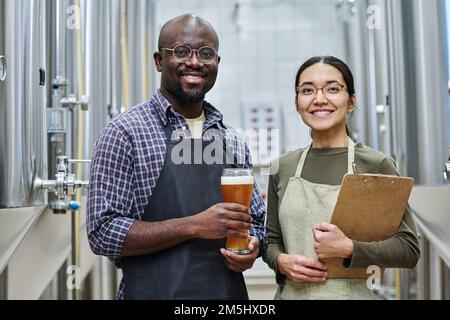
point(196, 126)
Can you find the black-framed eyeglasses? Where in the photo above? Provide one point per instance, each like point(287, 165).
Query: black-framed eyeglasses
point(183, 53)
point(330, 91)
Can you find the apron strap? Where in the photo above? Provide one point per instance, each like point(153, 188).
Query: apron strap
point(168, 130)
point(301, 163)
point(350, 158)
point(351, 155)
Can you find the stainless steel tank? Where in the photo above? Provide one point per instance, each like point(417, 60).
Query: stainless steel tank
point(100, 49)
point(22, 103)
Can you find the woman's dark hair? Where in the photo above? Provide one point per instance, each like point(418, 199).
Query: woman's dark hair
point(338, 64)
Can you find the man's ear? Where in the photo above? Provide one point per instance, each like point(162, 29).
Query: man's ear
point(218, 59)
point(158, 61)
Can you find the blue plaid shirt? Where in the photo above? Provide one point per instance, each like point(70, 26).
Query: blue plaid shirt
point(127, 160)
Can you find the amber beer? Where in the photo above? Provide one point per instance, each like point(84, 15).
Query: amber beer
point(237, 187)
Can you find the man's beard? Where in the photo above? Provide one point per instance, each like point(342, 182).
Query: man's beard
point(193, 95)
point(190, 95)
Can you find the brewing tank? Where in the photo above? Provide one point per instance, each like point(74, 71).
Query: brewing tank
point(22, 103)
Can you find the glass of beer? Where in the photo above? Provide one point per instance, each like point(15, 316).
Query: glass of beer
point(237, 187)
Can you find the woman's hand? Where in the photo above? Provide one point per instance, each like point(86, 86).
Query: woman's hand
point(301, 269)
point(331, 242)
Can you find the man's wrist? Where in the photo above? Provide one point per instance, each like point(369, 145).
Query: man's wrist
point(192, 228)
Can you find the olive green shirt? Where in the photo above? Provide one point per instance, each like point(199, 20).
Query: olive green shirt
point(328, 166)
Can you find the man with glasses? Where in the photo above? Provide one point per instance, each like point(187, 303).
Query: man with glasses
point(163, 222)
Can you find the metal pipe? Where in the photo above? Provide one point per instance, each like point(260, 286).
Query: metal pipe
point(432, 80)
point(81, 89)
point(397, 81)
point(108, 60)
point(57, 140)
point(62, 285)
point(75, 223)
point(397, 284)
point(108, 275)
point(404, 284)
point(60, 52)
point(443, 284)
point(372, 92)
point(124, 45)
point(436, 275)
point(446, 295)
point(4, 284)
point(96, 285)
point(145, 40)
point(89, 52)
point(151, 46)
point(116, 71)
point(79, 161)
point(423, 270)
point(355, 41)
point(78, 141)
point(98, 57)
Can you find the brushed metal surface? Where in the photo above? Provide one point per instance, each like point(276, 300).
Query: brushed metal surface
point(22, 106)
point(14, 225)
point(432, 210)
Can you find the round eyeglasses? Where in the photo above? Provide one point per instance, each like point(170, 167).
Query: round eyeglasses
point(330, 91)
point(183, 53)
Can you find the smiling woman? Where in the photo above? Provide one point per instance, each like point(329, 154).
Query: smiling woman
point(325, 95)
point(303, 193)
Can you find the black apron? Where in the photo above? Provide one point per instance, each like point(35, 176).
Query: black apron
point(194, 269)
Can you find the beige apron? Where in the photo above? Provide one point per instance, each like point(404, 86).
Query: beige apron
point(305, 204)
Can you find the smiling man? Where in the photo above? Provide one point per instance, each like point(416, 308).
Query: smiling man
point(164, 223)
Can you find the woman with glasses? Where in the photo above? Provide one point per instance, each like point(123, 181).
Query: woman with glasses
point(303, 192)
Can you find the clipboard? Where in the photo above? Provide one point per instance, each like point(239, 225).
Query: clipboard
point(369, 207)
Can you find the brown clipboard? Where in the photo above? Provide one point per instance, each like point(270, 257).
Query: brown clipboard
point(369, 207)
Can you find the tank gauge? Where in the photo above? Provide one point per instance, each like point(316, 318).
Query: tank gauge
point(2, 68)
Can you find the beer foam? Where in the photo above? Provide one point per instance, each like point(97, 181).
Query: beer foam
point(237, 180)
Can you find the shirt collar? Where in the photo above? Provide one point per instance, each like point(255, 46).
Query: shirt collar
point(164, 110)
point(161, 105)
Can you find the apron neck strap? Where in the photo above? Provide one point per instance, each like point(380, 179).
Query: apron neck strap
point(350, 158)
point(168, 130)
point(351, 155)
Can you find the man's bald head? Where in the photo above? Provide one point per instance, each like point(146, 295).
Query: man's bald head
point(185, 22)
point(186, 82)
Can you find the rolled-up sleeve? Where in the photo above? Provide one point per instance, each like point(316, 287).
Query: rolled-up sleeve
point(110, 196)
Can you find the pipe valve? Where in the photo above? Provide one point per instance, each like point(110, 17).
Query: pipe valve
point(72, 102)
point(65, 183)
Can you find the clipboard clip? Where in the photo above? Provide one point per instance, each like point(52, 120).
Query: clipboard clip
point(355, 170)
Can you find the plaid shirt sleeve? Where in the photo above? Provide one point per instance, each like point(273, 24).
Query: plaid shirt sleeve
point(110, 196)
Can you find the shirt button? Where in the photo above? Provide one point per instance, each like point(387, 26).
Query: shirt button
point(184, 128)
